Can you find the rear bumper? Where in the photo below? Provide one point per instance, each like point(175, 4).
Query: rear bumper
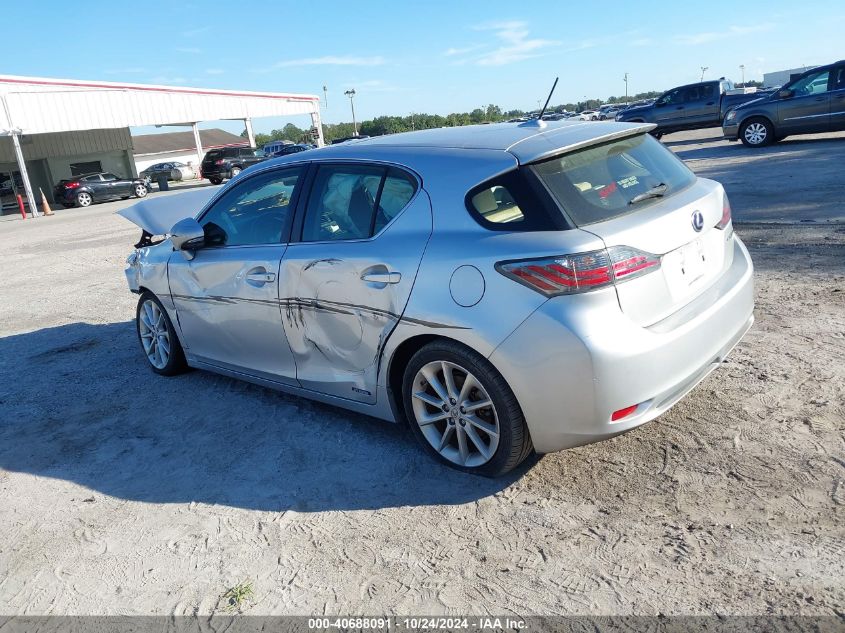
point(586, 359)
point(216, 172)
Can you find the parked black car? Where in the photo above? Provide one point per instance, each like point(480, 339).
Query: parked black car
point(292, 149)
point(690, 107)
point(228, 162)
point(85, 190)
point(811, 103)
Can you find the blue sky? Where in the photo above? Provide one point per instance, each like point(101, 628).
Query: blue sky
point(404, 57)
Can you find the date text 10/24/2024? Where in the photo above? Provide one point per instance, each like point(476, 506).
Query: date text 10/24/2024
point(421, 623)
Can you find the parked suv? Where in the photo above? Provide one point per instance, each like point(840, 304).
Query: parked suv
point(228, 162)
point(812, 103)
point(690, 107)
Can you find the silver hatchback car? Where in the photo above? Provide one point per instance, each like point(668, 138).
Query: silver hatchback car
point(501, 289)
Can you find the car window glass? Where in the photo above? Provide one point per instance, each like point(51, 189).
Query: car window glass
point(812, 84)
point(94, 178)
point(691, 94)
point(396, 193)
point(838, 82)
point(606, 181)
point(675, 96)
point(253, 212)
point(342, 203)
point(496, 204)
point(109, 177)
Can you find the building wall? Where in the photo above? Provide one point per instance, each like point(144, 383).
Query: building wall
point(49, 156)
point(780, 77)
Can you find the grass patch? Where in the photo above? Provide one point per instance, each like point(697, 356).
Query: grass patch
point(238, 595)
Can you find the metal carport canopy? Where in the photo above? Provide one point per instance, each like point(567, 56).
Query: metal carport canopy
point(36, 105)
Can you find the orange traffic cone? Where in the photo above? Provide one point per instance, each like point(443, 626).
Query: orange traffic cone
point(45, 206)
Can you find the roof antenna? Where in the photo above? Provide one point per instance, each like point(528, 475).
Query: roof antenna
point(538, 122)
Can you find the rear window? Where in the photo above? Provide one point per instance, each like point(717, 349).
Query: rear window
point(613, 179)
point(215, 153)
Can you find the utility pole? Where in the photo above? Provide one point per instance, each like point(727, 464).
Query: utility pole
point(704, 69)
point(326, 96)
point(351, 95)
point(742, 68)
point(625, 79)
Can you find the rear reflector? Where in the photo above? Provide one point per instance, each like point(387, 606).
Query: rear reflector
point(581, 272)
point(726, 214)
point(623, 413)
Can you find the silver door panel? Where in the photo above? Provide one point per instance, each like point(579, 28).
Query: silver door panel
point(228, 306)
point(341, 300)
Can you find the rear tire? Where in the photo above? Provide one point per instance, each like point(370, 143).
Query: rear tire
point(158, 338)
point(140, 191)
point(756, 132)
point(84, 199)
point(484, 431)
point(215, 181)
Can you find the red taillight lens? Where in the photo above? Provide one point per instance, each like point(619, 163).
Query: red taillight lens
point(72, 185)
point(726, 215)
point(218, 162)
point(582, 272)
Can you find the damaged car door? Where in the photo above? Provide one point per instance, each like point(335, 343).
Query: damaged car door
point(227, 292)
point(348, 273)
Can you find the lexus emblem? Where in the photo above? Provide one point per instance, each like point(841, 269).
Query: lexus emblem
point(697, 221)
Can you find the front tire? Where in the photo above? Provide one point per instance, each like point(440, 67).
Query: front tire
point(756, 132)
point(463, 412)
point(235, 171)
point(158, 338)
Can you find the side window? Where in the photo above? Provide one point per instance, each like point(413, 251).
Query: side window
point(342, 203)
point(691, 94)
point(110, 177)
point(673, 97)
point(396, 193)
point(838, 80)
point(496, 204)
point(708, 91)
point(814, 83)
point(254, 212)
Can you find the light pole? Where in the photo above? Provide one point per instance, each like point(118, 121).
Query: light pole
point(742, 68)
point(351, 95)
point(326, 96)
point(625, 79)
point(704, 69)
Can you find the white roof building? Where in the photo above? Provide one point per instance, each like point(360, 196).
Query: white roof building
point(48, 126)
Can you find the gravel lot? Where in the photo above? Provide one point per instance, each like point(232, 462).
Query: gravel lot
point(122, 492)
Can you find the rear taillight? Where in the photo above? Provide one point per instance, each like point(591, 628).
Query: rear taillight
point(72, 185)
point(582, 272)
point(726, 214)
point(218, 162)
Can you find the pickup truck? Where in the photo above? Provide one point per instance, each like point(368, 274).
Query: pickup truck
point(690, 107)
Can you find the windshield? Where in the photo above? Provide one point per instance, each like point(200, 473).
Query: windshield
point(613, 179)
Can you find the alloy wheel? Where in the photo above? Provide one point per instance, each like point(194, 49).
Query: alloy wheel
point(455, 413)
point(84, 199)
point(155, 338)
point(140, 191)
point(755, 133)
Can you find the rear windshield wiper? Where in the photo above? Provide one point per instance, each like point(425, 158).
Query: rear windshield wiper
point(657, 191)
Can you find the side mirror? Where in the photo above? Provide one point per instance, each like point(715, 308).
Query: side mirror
point(187, 236)
point(786, 93)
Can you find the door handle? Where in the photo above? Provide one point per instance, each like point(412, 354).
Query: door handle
point(261, 277)
point(382, 278)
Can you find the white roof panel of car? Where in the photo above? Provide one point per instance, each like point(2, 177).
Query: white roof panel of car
point(527, 142)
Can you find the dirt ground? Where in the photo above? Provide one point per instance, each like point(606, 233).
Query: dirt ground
point(122, 492)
